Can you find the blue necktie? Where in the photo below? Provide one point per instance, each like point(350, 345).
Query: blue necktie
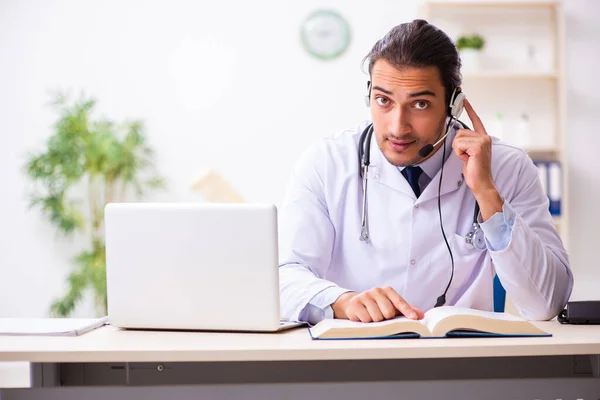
point(412, 175)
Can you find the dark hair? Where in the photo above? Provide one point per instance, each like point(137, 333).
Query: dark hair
point(419, 44)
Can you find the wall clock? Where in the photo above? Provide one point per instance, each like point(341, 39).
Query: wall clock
point(325, 34)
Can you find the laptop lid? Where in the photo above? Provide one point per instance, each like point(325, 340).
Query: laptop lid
point(206, 266)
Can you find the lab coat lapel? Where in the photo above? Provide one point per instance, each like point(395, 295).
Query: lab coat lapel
point(451, 180)
point(382, 172)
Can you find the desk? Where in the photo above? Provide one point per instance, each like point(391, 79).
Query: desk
point(149, 364)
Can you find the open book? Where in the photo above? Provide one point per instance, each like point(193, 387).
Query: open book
point(447, 321)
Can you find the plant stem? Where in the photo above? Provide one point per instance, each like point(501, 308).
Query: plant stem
point(109, 190)
point(123, 191)
point(93, 209)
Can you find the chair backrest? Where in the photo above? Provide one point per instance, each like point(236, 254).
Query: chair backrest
point(499, 295)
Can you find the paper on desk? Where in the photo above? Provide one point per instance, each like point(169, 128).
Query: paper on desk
point(49, 326)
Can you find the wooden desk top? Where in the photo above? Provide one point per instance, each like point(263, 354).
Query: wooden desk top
point(109, 344)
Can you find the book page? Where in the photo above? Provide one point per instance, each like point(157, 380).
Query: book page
point(345, 328)
point(346, 323)
point(435, 315)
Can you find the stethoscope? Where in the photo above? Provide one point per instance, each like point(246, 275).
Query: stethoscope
point(475, 237)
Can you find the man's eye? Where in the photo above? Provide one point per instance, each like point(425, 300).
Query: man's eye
point(421, 105)
point(382, 101)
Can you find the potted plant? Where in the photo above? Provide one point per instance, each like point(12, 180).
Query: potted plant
point(86, 164)
point(470, 47)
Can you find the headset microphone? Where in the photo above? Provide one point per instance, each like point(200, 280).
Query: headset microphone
point(455, 108)
point(428, 148)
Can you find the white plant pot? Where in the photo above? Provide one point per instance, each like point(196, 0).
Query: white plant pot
point(471, 60)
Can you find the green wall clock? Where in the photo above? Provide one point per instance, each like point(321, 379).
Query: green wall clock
point(325, 34)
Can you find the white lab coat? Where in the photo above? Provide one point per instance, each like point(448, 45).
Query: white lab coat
point(320, 225)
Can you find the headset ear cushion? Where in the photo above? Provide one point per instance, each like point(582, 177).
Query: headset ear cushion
point(457, 106)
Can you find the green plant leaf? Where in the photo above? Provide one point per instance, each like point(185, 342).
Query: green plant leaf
point(77, 282)
point(110, 159)
point(64, 215)
point(474, 41)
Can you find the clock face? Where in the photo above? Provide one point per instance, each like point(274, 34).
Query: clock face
point(325, 34)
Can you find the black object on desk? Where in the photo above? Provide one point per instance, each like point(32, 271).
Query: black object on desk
point(581, 312)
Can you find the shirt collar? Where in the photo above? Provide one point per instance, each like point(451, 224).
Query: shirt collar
point(433, 164)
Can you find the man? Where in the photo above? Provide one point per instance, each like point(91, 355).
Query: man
point(416, 255)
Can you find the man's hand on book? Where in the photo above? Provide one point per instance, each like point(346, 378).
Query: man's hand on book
point(374, 305)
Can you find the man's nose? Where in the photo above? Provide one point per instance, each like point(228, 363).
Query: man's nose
point(400, 124)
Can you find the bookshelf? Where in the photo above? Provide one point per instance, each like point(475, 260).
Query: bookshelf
point(519, 76)
point(520, 72)
point(493, 3)
point(510, 75)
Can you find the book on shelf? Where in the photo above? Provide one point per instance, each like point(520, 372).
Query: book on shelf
point(550, 174)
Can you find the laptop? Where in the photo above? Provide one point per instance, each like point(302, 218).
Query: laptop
point(193, 266)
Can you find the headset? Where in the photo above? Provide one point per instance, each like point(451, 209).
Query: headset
point(476, 236)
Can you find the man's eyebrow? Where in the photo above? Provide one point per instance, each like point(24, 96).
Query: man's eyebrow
point(415, 94)
point(382, 90)
point(422, 93)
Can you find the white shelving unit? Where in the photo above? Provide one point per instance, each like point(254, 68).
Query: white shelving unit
point(510, 75)
point(521, 72)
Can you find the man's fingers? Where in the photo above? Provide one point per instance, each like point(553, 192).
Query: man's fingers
point(420, 314)
point(358, 312)
point(466, 133)
point(373, 309)
point(379, 304)
point(471, 145)
point(400, 303)
point(385, 305)
point(465, 143)
point(460, 148)
point(477, 124)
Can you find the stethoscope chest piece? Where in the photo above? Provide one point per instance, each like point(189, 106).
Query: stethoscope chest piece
point(476, 237)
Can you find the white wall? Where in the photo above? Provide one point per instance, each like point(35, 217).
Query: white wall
point(222, 85)
point(583, 126)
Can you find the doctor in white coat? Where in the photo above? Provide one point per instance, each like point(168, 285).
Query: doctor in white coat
point(397, 242)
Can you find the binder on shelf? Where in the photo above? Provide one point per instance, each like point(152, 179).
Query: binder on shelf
point(549, 173)
point(543, 174)
point(554, 187)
